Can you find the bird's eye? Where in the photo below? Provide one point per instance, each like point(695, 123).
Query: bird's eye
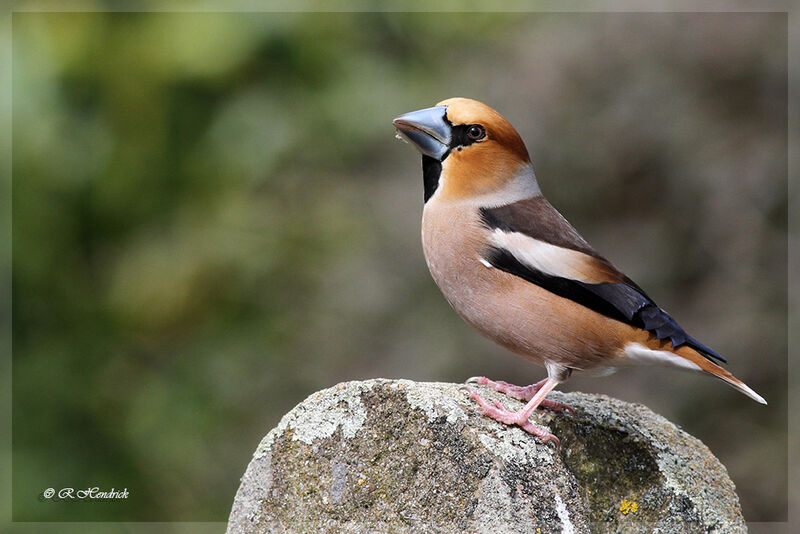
point(475, 132)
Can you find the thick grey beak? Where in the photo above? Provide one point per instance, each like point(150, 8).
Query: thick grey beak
point(428, 129)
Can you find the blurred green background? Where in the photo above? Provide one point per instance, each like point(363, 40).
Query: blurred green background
point(212, 219)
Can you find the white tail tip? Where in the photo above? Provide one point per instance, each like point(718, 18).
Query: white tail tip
point(750, 393)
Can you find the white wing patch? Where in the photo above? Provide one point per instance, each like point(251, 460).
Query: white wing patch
point(546, 258)
point(638, 354)
point(486, 263)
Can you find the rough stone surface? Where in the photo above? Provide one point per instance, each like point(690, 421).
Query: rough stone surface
point(402, 456)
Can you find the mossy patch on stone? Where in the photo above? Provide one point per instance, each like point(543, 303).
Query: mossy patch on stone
point(400, 456)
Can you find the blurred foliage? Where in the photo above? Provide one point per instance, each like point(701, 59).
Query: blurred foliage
point(211, 220)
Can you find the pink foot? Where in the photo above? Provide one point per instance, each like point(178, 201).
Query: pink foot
point(525, 393)
point(498, 412)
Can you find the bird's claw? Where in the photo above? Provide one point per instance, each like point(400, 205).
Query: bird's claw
point(500, 413)
point(523, 393)
point(557, 406)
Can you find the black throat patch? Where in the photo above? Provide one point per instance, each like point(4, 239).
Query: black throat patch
point(431, 171)
point(432, 168)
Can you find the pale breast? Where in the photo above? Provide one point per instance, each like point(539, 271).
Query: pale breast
point(521, 316)
point(452, 240)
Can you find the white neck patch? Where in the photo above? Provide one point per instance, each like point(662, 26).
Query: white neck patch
point(522, 186)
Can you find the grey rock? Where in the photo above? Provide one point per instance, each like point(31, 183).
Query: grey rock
point(402, 456)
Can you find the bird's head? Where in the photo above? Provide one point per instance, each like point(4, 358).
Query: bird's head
point(468, 151)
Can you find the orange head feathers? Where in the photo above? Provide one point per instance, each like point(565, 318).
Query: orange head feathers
point(501, 137)
point(468, 149)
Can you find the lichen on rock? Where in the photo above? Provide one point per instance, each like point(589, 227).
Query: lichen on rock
point(400, 456)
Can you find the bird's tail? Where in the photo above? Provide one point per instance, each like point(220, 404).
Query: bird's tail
point(712, 368)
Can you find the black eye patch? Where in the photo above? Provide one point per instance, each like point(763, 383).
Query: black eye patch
point(466, 134)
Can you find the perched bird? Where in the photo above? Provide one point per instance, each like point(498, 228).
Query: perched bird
point(520, 274)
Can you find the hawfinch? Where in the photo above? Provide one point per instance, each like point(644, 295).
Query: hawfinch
point(520, 274)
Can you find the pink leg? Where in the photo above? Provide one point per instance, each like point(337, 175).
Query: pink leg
point(521, 393)
point(498, 412)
